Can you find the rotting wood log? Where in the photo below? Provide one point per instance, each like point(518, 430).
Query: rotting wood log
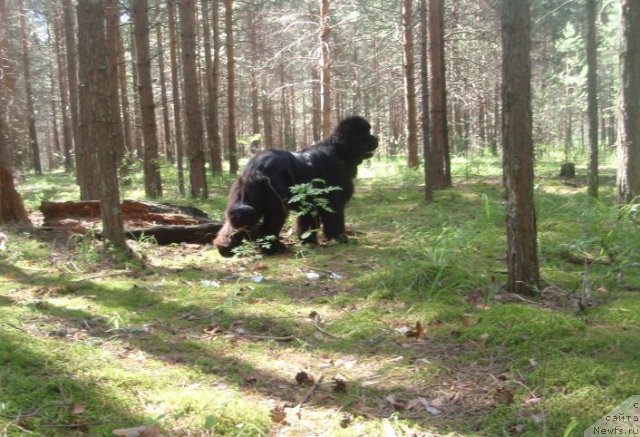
point(132, 210)
point(164, 235)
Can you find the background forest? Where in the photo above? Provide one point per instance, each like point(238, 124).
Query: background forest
point(277, 50)
point(419, 326)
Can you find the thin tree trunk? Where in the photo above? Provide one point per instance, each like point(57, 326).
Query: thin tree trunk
point(409, 84)
point(127, 130)
point(316, 110)
point(152, 181)
point(255, 101)
point(166, 126)
point(175, 93)
point(424, 76)
point(72, 77)
point(439, 128)
point(63, 87)
point(212, 64)
point(193, 111)
point(522, 250)
point(231, 99)
point(592, 97)
point(325, 69)
point(136, 131)
point(26, 71)
point(95, 104)
point(53, 101)
point(267, 115)
point(113, 30)
point(628, 179)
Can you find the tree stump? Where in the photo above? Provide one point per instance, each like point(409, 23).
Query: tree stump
point(568, 170)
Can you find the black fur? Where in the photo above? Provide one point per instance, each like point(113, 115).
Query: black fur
point(262, 191)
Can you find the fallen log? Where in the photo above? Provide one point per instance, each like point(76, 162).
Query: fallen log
point(132, 211)
point(164, 235)
point(165, 223)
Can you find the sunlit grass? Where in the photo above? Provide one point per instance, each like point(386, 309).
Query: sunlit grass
point(170, 345)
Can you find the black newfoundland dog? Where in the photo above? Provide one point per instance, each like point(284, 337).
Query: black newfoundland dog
point(263, 189)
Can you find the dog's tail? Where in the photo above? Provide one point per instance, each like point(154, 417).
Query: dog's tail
point(244, 210)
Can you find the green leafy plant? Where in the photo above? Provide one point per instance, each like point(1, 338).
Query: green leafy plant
point(310, 198)
point(251, 249)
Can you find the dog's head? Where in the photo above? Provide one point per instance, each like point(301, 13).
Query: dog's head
point(353, 140)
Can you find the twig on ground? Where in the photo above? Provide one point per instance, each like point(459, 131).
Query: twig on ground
point(102, 275)
point(325, 332)
point(309, 393)
point(266, 337)
point(15, 327)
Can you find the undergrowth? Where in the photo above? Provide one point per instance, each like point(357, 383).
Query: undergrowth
point(408, 328)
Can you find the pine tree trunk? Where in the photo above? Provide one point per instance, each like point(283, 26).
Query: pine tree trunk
point(592, 97)
point(175, 93)
point(439, 128)
point(95, 105)
point(232, 146)
point(316, 110)
point(522, 250)
point(53, 102)
point(26, 71)
point(628, 183)
point(409, 84)
point(72, 78)
point(166, 126)
point(63, 87)
point(86, 162)
point(212, 64)
point(11, 207)
point(424, 76)
point(152, 181)
point(136, 128)
point(255, 101)
point(127, 131)
point(215, 75)
point(193, 111)
point(112, 14)
point(325, 69)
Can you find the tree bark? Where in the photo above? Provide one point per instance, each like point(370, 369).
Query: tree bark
point(127, 130)
point(72, 78)
point(410, 84)
point(325, 69)
point(232, 146)
point(166, 126)
point(86, 149)
point(92, 54)
point(592, 97)
point(175, 94)
point(11, 207)
point(424, 76)
point(439, 128)
point(112, 14)
point(522, 250)
point(212, 64)
point(193, 111)
point(152, 181)
point(255, 100)
point(53, 99)
point(28, 91)
point(628, 179)
point(63, 88)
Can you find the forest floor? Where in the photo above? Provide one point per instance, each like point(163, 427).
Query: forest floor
point(406, 331)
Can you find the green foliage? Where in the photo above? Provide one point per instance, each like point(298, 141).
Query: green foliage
point(310, 198)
